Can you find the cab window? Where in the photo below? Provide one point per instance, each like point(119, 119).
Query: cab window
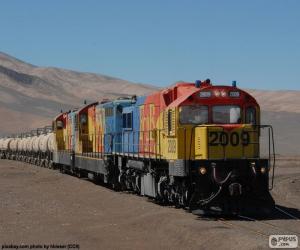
point(83, 119)
point(59, 124)
point(226, 114)
point(193, 114)
point(127, 120)
point(250, 115)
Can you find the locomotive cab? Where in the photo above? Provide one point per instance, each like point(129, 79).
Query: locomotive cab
point(212, 122)
point(59, 128)
point(84, 129)
point(223, 123)
point(213, 134)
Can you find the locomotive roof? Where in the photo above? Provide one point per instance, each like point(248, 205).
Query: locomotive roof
point(60, 115)
point(85, 107)
point(184, 91)
point(115, 102)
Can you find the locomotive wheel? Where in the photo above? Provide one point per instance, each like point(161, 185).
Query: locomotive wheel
point(51, 165)
point(44, 163)
point(79, 174)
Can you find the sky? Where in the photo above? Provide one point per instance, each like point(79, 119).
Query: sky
point(159, 42)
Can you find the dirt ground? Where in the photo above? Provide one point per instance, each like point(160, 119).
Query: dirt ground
point(42, 207)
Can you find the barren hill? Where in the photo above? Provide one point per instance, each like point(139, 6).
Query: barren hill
point(30, 96)
point(278, 101)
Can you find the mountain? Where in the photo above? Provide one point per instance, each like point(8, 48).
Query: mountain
point(278, 101)
point(281, 109)
point(30, 96)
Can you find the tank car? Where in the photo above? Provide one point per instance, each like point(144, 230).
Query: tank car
point(2, 151)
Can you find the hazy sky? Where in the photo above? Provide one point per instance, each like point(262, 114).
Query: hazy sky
point(255, 42)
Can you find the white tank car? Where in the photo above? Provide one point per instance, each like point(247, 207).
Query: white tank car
point(31, 143)
point(35, 143)
point(18, 144)
point(6, 143)
point(13, 144)
point(43, 143)
point(52, 142)
point(25, 144)
point(22, 144)
point(10, 143)
point(1, 142)
point(28, 144)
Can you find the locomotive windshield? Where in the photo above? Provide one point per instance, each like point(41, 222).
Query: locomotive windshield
point(226, 114)
point(193, 114)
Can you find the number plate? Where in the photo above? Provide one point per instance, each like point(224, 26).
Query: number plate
point(222, 138)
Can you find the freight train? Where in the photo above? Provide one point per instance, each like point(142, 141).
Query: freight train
point(194, 145)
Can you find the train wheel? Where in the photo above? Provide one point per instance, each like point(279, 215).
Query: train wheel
point(51, 165)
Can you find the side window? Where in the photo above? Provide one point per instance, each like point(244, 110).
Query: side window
point(59, 124)
point(250, 115)
point(127, 120)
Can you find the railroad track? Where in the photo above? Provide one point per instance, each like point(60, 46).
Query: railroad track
point(234, 225)
point(286, 213)
point(262, 232)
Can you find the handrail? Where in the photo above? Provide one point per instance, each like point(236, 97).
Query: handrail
point(142, 144)
point(257, 128)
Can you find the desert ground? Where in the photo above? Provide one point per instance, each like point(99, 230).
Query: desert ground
point(43, 206)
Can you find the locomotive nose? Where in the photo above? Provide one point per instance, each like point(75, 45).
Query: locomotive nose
point(235, 189)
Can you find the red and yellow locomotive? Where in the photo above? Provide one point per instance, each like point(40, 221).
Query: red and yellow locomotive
point(212, 137)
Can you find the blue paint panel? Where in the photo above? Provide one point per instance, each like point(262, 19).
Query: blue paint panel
point(114, 124)
point(130, 138)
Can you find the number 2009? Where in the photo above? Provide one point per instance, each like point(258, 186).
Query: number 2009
point(224, 139)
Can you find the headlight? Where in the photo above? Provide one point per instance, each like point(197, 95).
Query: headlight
point(217, 93)
point(202, 170)
point(263, 170)
point(223, 93)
